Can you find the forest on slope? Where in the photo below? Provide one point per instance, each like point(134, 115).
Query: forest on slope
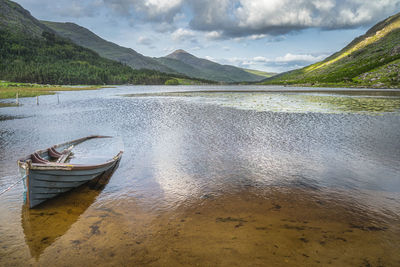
point(32, 52)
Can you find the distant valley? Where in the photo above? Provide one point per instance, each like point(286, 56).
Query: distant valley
point(180, 61)
point(66, 53)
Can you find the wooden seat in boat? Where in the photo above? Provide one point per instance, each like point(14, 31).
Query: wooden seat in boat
point(38, 159)
point(53, 153)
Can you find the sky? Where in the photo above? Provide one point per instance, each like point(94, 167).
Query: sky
point(268, 35)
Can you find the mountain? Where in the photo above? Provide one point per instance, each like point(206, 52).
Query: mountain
point(371, 60)
point(185, 63)
point(84, 37)
point(16, 19)
point(32, 52)
point(177, 62)
point(260, 73)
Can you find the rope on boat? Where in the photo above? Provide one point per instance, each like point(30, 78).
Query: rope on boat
point(11, 186)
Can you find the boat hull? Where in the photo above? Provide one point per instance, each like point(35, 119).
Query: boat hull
point(46, 180)
point(46, 184)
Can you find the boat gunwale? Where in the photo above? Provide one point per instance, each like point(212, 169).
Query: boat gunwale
point(69, 167)
point(25, 162)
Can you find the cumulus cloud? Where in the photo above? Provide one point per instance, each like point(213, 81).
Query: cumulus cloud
point(274, 17)
point(257, 36)
point(255, 19)
point(214, 35)
point(146, 10)
point(143, 40)
point(307, 58)
point(290, 58)
point(286, 62)
point(152, 10)
point(182, 35)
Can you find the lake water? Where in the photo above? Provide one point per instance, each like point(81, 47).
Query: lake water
point(211, 176)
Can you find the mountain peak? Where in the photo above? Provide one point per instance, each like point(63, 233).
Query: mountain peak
point(180, 54)
point(180, 51)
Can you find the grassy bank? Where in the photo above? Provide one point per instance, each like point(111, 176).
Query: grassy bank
point(3, 105)
point(333, 85)
point(186, 81)
point(10, 89)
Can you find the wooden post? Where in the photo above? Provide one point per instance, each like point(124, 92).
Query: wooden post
point(37, 100)
point(58, 98)
point(16, 99)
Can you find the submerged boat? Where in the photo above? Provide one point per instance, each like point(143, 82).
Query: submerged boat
point(46, 173)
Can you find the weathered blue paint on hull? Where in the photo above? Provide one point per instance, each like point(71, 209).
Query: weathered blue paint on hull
point(45, 179)
point(44, 185)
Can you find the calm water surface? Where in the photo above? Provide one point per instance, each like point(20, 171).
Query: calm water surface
point(211, 178)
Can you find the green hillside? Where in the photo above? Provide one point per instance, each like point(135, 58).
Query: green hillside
point(371, 60)
point(178, 62)
point(260, 73)
point(31, 52)
point(83, 37)
point(192, 66)
point(54, 60)
point(18, 20)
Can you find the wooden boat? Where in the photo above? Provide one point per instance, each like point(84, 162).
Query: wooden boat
point(46, 173)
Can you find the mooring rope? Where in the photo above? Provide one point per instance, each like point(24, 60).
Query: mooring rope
point(11, 186)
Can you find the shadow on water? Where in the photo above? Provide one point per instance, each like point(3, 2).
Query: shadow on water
point(50, 220)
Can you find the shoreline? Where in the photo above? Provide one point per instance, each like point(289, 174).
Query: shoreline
point(335, 85)
point(10, 90)
point(33, 90)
